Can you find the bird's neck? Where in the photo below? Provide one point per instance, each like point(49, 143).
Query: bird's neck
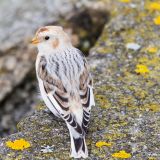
point(50, 51)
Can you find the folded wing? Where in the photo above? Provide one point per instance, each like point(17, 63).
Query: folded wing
point(86, 95)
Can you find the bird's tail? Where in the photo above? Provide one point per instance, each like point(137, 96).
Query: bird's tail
point(78, 147)
point(78, 144)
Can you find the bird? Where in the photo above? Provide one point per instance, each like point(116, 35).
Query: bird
point(65, 83)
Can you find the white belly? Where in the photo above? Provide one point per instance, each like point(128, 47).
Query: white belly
point(43, 93)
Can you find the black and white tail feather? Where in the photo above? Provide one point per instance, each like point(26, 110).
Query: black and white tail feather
point(66, 88)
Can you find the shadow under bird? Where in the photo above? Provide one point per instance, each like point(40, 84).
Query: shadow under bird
point(65, 83)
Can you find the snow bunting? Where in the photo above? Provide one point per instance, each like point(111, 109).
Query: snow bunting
point(65, 83)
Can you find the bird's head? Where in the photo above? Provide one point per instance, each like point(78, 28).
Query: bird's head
point(51, 38)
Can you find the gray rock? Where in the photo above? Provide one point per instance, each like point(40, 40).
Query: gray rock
point(5, 121)
point(23, 18)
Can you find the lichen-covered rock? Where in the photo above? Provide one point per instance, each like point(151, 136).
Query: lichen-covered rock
point(127, 112)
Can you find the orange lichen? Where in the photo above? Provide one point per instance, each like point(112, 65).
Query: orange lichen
point(102, 143)
point(157, 20)
point(141, 69)
point(19, 144)
point(121, 154)
point(153, 6)
point(152, 49)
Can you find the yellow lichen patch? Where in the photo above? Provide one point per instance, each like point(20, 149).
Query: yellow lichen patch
point(104, 50)
point(125, 1)
point(114, 136)
point(143, 60)
point(127, 100)
point(18, 144)
point(151, 107)
point(141, 69)
point(150, 62)
point(154, 61)
point(104, 103)
point(152, 158)
point(102, 143)
point(116, 125)
point(154, 107)
point(153, 6)
point(157, 20)
point(140, 93)
point(121, 154)
point(40, 107)
point(152, 49)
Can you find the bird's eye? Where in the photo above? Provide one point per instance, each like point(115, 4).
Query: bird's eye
point(46, 38)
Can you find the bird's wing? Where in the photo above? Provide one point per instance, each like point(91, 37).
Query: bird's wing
point(57, 95)
point(86, 94)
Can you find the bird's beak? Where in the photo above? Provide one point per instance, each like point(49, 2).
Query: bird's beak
point(35, 40)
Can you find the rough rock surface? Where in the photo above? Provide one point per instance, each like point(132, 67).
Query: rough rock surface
point(126, 70)
point(16, 30)
point(20, 103)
